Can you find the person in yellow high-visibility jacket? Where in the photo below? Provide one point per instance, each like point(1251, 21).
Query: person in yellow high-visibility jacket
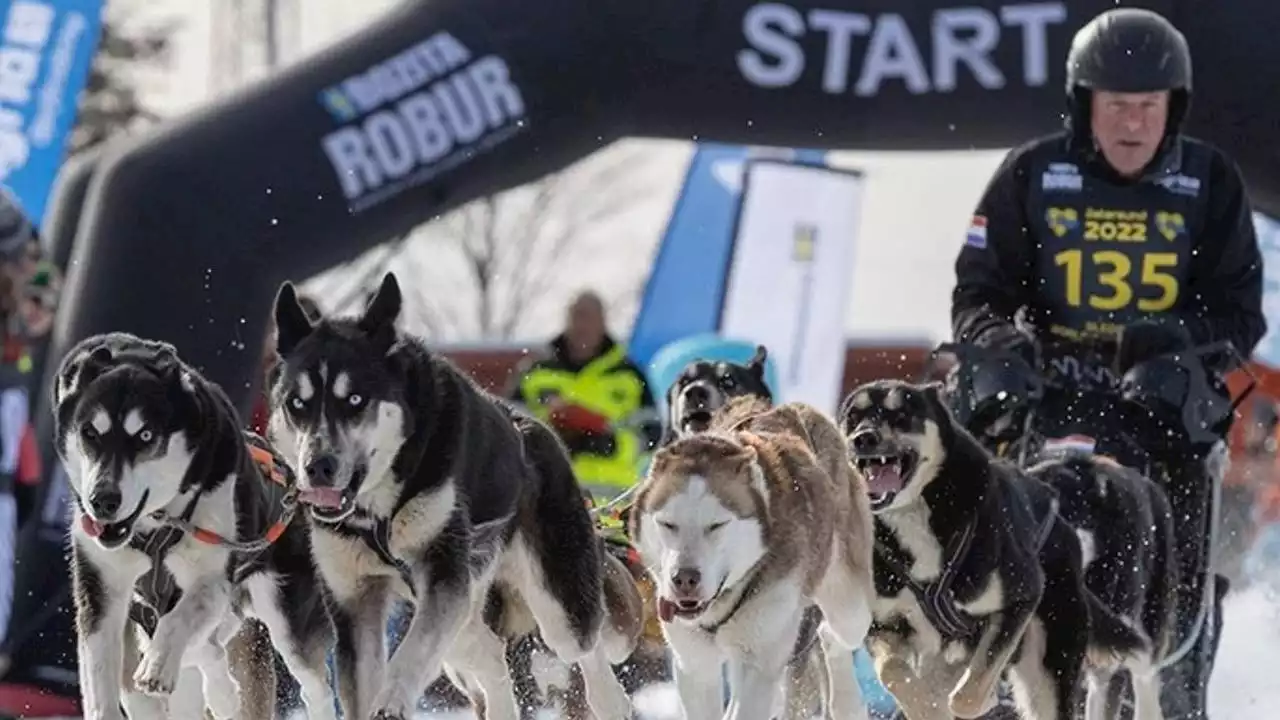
point(598, 401)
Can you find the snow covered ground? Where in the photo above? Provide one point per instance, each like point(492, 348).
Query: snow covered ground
point(1244, 685)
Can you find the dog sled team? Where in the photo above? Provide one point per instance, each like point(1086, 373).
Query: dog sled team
point(778, 540)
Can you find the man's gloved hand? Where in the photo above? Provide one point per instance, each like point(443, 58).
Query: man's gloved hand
point(1009, 337)
point(1140, 341)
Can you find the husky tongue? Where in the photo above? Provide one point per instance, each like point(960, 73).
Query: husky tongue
point(91, 527)
point(326, 498)
point(884, 478)
point(666, 610)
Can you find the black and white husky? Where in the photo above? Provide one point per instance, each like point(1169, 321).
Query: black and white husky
point(422, 486)
point(176, 526)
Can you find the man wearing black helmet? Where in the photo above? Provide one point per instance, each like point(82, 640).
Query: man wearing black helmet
point(1113, 241)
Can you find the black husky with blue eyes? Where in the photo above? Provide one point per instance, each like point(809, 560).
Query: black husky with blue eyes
point(181, 525)
point(976, 573)
point(422, 486)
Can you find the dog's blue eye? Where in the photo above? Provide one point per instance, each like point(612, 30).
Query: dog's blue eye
point(296, 403)
point(146, 436)
point(355, 400)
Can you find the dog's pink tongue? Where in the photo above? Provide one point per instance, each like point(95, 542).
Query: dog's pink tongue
point(666, 610)
point(883, 478)
point(91, 527)
point(327, 498)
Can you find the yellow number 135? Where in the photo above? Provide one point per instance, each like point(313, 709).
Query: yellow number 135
point(1114, 271)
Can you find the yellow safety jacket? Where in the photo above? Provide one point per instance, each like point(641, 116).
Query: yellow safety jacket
point(609, 385)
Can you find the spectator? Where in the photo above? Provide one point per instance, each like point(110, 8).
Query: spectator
point(595, 398)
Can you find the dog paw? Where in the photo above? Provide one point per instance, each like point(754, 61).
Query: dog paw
point(390, 706)
point(154, 676)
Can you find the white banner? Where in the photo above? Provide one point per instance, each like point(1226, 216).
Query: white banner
point(1268, 350)
point(792, 263)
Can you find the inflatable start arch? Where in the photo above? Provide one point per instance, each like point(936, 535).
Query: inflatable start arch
point(186, 235)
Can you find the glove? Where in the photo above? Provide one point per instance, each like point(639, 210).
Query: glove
point(1009, 337)
point(1143, 340)
point(579, 419)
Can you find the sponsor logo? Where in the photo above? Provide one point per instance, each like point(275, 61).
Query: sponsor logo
point(959, 41)
point(1062, 177)
point(976, 237)
point(1062, 220)
point(415, 115)
point(1180, 184)
point(1171, 225)
point(804, 239)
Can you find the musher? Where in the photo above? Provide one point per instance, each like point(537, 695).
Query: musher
point(1112, 242)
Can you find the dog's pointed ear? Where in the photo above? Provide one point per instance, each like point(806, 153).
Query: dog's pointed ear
point(292, 324)
point(757, 361)
point(384, 308)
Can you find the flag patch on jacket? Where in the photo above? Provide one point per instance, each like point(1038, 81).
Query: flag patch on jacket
point(977, 235)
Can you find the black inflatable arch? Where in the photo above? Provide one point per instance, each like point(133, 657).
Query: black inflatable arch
point(185, 236)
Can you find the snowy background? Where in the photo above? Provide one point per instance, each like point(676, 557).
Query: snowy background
point(916, 209)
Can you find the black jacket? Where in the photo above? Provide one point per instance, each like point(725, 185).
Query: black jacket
point(1177, 244)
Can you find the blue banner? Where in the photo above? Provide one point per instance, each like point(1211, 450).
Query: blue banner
point(46, 48)
point(687, 282)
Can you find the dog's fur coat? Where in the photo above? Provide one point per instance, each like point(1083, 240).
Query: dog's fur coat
point(1125, 525)
point(975, 572)
point(427, 488)
point(744, 527)
point(146, 440)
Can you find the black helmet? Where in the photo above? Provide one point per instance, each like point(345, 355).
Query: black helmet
point(1129, 50)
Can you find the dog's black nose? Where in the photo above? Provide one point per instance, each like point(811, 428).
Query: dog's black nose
point(105, 501)
point(686, 580)
point(322, 470)
point(866, 440)
point(697, 394)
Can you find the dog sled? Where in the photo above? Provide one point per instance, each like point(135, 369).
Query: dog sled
point(996, 395)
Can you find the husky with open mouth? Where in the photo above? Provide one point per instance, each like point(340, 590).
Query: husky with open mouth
point(705, 386)
point(976, 574)
point(178, 527)
point(423, 487)
point(745, 527)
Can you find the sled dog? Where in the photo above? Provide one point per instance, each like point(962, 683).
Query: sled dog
point(744, 527)
point(1125, 525)
point(421, 486)
point(975, 572)
point(705, 386)
point(701, 391)
point(181, 525)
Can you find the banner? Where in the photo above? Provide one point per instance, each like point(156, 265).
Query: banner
point(46, 49)
point(790, 273)
point(685, 290)
point(1268, 350)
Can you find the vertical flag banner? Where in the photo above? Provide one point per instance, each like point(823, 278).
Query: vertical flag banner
point(790, 274)
point(686, 285)
point(1268, 350)
point(46, 49)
